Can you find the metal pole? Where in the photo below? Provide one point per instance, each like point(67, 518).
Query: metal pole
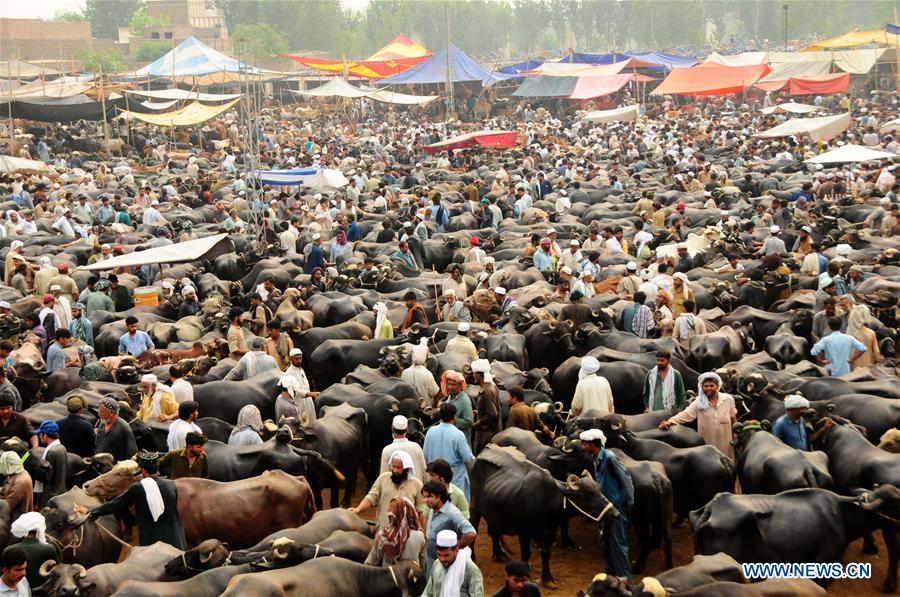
point(784, 7)
point(449, 66)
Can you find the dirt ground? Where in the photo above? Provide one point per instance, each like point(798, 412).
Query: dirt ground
point(573, 569)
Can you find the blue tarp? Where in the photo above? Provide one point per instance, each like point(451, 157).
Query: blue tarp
point(434, 70)
point(668, 61)
point(893, 29)
point(192, 58)
point(295, 176)
point(582, 58)
point(515, 69)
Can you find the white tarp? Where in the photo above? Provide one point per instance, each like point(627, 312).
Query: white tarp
point(851, 154)
point(786, 70)
point(403, 99)
point(182, 94)
point(791, 108)
point(159, 106)
point(892, 125)
point(190, 250)
point(9, 164)
point(303, 177)
point(857, 62)
point(625, 114)
point(337, 87)
point(818, 129)
point(744, 59)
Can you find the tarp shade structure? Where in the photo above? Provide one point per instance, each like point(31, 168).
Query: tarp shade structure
point(192, 61)
point(19, 69)
point(503, 139)
point(155, 106)
point(65, 109)
point(546, 86)
point(582, 58)
point(626, 114)
point(588, 87)
point(561, 69)
point(336, 87)
point(515, 69)
point(434, 70)
point(857, 38)
point(303, 177)
point(893, 125)
point(710, 79)
point(784, 71)
point(667, 61)
point(191, 114)
point(339, 88)
point(209, 247)
point(400, 54)
point(402, 99)
point(820, 128)
point(855, 62)
point(851, 154)
point(820, 84)
point(62, 88)
point(10, 164)
point(744, 59)
point(791, 108)
point(183, 94)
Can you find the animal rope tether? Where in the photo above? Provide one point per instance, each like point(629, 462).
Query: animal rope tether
point(597, 518)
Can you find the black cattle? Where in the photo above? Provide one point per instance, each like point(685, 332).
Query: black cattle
point(645, 359)
point(32, 458)
point(517, 497)
point(764, 528)
point(341, 437)
point(142, 563)
point(309, 340)
point(651, 513)
point(625, 379)
point(592, 337)
point(787, 349)
point(78, 538)
point(549, 343)
point(333, 308)
point(226, 398)
point(507, 347)
point(343, 544)
point(210, 583)
point(854, 462)
point(215, 428)
point(701, 570)
point(559, 462)
point(333, 359)
point(766, 465)
point(715, 349)
point(763, 324)
point(233, 463)
point(207, 555)
point(825, 388)
point(697, 474)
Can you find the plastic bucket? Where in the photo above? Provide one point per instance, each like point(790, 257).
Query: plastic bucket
point(146, 296)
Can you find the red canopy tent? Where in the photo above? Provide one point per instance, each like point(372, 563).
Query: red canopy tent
point(503, 139)
point(711, 79)
point(810, 84)
point(400, 54)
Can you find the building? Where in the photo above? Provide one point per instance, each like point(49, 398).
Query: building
point(50, 41)
point(187, 18)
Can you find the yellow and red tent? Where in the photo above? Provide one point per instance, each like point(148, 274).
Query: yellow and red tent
point(400, 54)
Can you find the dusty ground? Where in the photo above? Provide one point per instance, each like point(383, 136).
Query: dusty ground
point(573, 569)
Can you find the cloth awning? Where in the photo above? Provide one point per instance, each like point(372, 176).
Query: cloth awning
point(851, 154)
point(435, 70)
point(194, 113)
point(625, 114)
point(786, 70)
point(400, 54)
point(10, 164)
point(588, 87)
point(303, 177)
point(820, 84)
point(791, 108)
point(743, 59)
point(821, 128)
point(575, 88)
point(710, 79)
point(565, 69)
point(339, 88)
point(63, 109)
point(182, 94)
point(191, 250)
point(856, 38)
point(401, 99)
point(504, 139)
point(336, 87)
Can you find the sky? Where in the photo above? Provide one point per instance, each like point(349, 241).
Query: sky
point(45, 9)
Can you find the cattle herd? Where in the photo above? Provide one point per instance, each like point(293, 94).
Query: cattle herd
point(586, 249)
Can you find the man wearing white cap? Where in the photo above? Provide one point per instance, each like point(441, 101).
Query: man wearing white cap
point(399, 480)
point(252, 363)
point(616, 484)
point(714, 411)
point(401, 443)
point(630, 283)
point(421, 378)
point(303, 398)
point(157, 401)
point(457, 575)
point(61, 306)
point(571, 258)
point(490, 414)
point(455, 282)
point(592, 392)
point(461, 344)
point(791, 428)
point(455, 309)
point(772, 244)
point(152, 217)
point(14, 249)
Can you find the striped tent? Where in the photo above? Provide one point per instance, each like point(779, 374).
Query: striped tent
point(192, 61)
point(400, 54)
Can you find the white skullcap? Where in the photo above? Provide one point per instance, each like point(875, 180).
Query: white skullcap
point(449, 292)
point(631, 265)
point(820, 167)
point(154, 202)
point(446, 538)
point(827, 281)
point(500, 290)
point(4, 305)
point(681, 246)
point(404, 458)
point(551, 231)
point(167, 284)
point(795, 401)
point(379, 307)
point(28, 522)
point(16, 244)
point(188, 290)
point(585, 273)
point(884, 200)
point(593, 435)
point(317, 196)
point(481, 366)
point(566, 270)
point(316, 236)
point(463, 326)
point(774, 229)
point(55, 287)
point(149, 378)
point(589, 366)
point(400, 423)
point(574, 243)
point(806, 229)
point(842, 249)
point(295, 352)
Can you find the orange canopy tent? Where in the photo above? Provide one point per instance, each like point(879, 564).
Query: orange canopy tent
point(400, 54)
point(711, 79)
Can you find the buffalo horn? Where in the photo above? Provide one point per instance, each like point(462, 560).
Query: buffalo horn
point(80, 570)
point(616, 425)
point(205, 557)
point(46, 567)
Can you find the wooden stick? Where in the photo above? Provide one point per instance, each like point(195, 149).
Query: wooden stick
point(437, 299)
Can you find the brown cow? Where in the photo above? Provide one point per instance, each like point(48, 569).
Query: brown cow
point(169, 356)
point(239, 513)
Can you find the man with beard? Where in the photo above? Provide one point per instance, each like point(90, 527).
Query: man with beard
point(399, 480)
point(488, 406)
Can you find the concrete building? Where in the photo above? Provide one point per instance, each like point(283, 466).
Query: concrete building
point(34, 39)
point(188, 18)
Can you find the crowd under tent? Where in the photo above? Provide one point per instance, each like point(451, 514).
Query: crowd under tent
point(810, 84)
point(337, 87)
point(820, 128)
point(450, 65)
point(394, 58)
point(209, 247)
point(189, 115)
point(625, 114)
point(848, 154)
point(791, 108)
point(166, 99)
point(317, 178)
point(501, 139)
point(710, 79)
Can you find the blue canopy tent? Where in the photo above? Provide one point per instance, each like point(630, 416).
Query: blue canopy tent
point(435, 70)
point(667, 61)
point(303, 177)
point(515, 69)
point(582, 58)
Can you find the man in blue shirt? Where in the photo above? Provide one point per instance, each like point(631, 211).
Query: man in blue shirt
point(444, 516)
point(56, 358)
point(543, 258)
point(447, 442)
point(316, 257)
point(134, 341)
point(837, 348)
point(615, 483)
point(439, 213)
point(353, 233)
point(791, 429)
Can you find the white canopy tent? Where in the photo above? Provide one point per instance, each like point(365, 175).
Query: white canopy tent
point(626, 114)
point(191, 250)
point(791, 108)
point(182, 94)
point(821, 128)
point(337, 87)
point(851, 154)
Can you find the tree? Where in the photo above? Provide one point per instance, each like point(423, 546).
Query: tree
point(260, 40)
point(69, 16)
point(109, 61)
point(151, 50)
point(142, 19)
point(106, 16)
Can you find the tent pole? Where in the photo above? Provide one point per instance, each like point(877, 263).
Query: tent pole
point(12, 124)
point(103, 107)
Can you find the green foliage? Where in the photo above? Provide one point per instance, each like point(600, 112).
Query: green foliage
point(142, 19)
point(109, 61)
point(259, 40)
point(69, 16)
point(151, 50)
point(106, 16)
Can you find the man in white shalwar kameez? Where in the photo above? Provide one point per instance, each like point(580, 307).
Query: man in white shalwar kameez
point(592, 392)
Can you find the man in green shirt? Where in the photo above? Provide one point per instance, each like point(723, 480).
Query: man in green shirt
point(467, 582)
point(189, 461)
point(664, 386)
point(119, 294)
point(98, 299)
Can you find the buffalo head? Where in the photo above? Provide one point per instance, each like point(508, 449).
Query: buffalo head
point(209, 554)
point(608, 585)
point(890, 441)
point(122, 476)
point(587, 498)
point(286, 552)
point(64, 579)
